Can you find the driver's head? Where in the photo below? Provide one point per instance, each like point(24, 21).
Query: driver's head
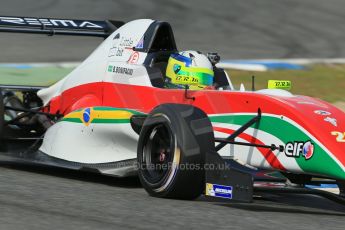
point(190, 68)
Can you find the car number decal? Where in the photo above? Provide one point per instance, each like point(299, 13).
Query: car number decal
point(340, 136)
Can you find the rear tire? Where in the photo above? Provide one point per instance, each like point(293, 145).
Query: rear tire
point(2, 120)
point(172, 147)
point(2, 113)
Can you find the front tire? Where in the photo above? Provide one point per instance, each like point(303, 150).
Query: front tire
point(172, 146)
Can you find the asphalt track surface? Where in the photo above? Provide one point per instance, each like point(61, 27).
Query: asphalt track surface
point(234, 28)
point(50, 198)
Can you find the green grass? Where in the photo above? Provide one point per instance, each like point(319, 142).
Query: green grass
point(40, 76)
point(322, 81)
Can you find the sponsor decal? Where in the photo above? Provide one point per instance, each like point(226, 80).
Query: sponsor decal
point(216, 190)
point(140, 44)
point(115, 51)
point(117, 36)
point(340, 136)
point(297, 148)
point(308, 150)
point(333, 121)
point(133, 59)
point(100, 115)
point(49, 22)
point(120, 70)
point(119, 46)
point(322, 112)
point(176, 68)
point(279, 84)
point(112, 52)
point(86, 118)
point(126, 42)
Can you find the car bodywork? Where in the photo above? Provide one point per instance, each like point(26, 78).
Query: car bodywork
point(124, 78)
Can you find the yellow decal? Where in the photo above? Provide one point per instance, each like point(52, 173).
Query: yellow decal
point(88, 115)
point(279, 84)
point(209, 189)
point(340, 136)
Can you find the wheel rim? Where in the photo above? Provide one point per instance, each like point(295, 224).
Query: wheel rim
point(158, 154)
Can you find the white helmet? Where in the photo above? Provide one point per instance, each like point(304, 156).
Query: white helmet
point(190, 68)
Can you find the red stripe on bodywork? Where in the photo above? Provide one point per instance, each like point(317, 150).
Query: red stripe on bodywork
point(268, 154)
point(300, 109)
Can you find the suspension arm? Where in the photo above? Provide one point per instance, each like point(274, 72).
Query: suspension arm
point(271, 147)
point(240, 130)
point(31, 111)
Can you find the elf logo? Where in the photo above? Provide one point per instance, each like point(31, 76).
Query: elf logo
point(298, 148)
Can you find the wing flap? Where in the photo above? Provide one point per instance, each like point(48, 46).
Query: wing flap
point(55, 26)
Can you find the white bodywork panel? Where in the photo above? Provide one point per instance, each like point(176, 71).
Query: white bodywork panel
point(136, 74)
point(92, 144)
point(119, 47)
point(275, 92)
point(113, 61)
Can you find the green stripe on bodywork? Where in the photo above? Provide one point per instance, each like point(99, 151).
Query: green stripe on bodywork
point(108, 121)
point(98, 121)
point(320, 163)
point(75, 120)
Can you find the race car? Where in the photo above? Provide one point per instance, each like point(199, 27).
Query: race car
point(113, 115)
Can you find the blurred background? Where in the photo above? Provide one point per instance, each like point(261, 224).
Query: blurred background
point(245, 33)
point(236, 29)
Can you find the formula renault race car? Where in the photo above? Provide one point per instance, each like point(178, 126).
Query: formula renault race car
point(112, 115)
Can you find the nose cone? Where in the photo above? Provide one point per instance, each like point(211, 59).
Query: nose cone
point(324, 152)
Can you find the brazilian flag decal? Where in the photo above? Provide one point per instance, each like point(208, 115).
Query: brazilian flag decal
point(100, 115)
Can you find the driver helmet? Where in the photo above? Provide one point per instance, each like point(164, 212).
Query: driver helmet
point(189, 68)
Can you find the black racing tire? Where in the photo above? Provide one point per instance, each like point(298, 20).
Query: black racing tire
point(2, 115)
point(172, 147)
point(2, 121)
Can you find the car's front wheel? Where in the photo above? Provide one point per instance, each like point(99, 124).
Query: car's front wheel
point(172, 146)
